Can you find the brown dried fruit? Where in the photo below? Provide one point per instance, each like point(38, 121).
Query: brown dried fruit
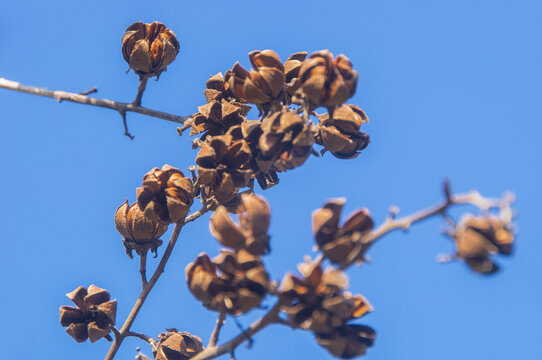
point(93, 317)
point(347, 341)
point(479, 237)
point(285, 143)
point(240, 286)
point(217, 89)
point(251, 232)
point(291, 71)
point(337, 242)
point(140, 233)
point(318, 301)
point(149, 48)
point(223, 168)
point(215, 118)
point(166, 195)
point(341, 135)
point(262, 86)
point(326, 81)
point(175, 345)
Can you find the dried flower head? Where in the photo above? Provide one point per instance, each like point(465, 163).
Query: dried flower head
point(337, 242)
point(93, 317)
point(291, 71)
point(251, 232)
point(348, 341)
point(223, 168)
point(140, 233)
point(262, 86)
point(239, 287)
point(326, 81)
point(341, 135)
point(285, 143)
point(479, 237)
point(215, 118)
point(149, 48)
point(176, 345)
point(318, 300)
point(166, 195)
point(217, 89)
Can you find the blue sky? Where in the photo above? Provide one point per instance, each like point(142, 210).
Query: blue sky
point(451, 88)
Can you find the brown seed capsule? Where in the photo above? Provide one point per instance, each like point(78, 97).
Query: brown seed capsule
point(479, 237)
point(239, 287)
point(215, 118)
point(326, 81)
point(348, 341)
point(176, 345)
point(341, 135)
point(223, 168)
point(251, 233)
point(286, 141)
point(166, 195)
point(337, 242)
point(291, 71)
point(93, 317)
point(149, 48)
point(262, 86)
point(318, 301)
point(140, 233)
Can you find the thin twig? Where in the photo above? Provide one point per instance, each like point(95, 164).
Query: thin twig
point(140, 90)
point(148, 287)
point(87, 92)
point(216, 331)
point(82, 99)
point(404, 223)
point(228, 348)
point(125, 124)
point(141, 336)
point(143, 268)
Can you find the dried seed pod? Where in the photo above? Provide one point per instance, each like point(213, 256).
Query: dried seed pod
point(326, 81)
point(348, 341)
point(239, 287)
point(149, 48)
point(93, 317)
point(176, 345)
point(217, 89)
point(262, 86)
point(291, 71)
point(140, 233)
point(285, 143)
point(341, 135)
point(479, 237)
point(215, 118)
point(223, 168)
point(337, 242)
point(318, 301)
point(166, 195)
point(251, 232)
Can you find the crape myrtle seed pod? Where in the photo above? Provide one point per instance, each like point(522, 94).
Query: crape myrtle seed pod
point(140, 232)
point(166, 195)
point(149, 48)
point(348, 341)
point(176, 345)
point(94, 316)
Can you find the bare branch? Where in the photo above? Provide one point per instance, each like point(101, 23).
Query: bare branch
point(219, 323)
point(125, 330)
point(143, 268)
point(141, 336)
point(140, 90)
point(83, 99)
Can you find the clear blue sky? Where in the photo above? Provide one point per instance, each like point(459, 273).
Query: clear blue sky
point(452, 88)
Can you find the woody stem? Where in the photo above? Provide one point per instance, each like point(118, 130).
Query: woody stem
point(140, 90)
point(83, 99)
point(125, 330)
point(143, 268)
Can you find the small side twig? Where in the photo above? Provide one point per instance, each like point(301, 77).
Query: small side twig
point(140, 90)
point(124, 122)
point(141, 336)
point(216, 331)
point(143, 268)
point(141, 356)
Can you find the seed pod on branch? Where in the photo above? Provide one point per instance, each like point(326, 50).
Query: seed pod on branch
point(341, 135)
point(166, 195)
point(176, 345)
point(337, 242)
point(251, 232)
point(348, 341)
point(479, 237)
point(223, 168)
point(318, 301)
point(326, 81)
point(291, 71)
point(94, 316)
point(239, 287)
point(149, 48)
point(140, 232)
point(262, 86)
